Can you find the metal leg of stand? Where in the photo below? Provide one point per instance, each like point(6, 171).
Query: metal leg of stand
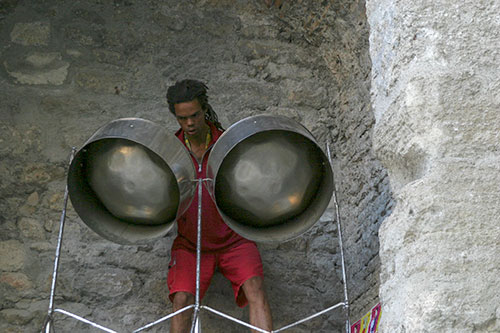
point(197, 324)
point(173, 314)
point(196, 313)
point(48, 321)
point(341, 246)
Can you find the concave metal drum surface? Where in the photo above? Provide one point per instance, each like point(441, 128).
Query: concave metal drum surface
point(131, 180)
point(271, 181)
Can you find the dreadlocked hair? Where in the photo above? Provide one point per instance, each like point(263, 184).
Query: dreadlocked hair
point(188, 90)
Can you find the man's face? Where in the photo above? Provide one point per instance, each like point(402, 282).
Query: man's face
point(191, 117)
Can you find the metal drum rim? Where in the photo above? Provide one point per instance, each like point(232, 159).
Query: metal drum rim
point(268, 127)
point(130, 233)
point(274, 234)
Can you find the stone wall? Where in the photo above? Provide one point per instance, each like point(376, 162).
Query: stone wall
point(69, 67)
point(435, 90)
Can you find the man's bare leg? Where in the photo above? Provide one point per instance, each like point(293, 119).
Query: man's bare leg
point(181, 323)
point(260, 311)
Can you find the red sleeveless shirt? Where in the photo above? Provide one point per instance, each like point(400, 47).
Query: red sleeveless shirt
point(215, 234)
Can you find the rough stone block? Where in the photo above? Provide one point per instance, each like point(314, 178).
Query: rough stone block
point(306, 92)
point(18, 281)
point(16, 316)
point(41, 173)
point(102, 81)
point(12, 256)
point(31, 228)
point(32, 33)
point(33, 199)
point(42, 246)
point(107, 282)
point(38, 68)
point(85, 34)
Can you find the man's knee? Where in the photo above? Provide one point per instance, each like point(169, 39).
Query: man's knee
point(254, 289)
point(182, 299)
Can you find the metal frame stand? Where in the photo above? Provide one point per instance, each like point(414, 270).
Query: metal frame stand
point(195, 326)
point(48, 325)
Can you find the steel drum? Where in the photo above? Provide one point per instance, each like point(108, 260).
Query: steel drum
point(131, 180)
point(270, 180)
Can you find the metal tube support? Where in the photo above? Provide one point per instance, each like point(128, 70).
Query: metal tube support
point(341, 246)
point(72, 315)
point(274, 331)
point(48, 320)
point(196, 312)
point(173, 314)
point(234, 319)
point(309, 318)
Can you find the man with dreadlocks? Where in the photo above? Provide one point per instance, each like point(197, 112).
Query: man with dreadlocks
point(237, 258)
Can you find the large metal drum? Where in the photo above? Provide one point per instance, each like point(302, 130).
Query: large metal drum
point(271, 181)
point(131, 180)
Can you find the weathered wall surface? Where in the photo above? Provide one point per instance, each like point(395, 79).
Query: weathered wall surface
point(435, 97)
point(69, 67)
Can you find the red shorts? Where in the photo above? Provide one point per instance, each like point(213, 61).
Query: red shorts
point(237, 264)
